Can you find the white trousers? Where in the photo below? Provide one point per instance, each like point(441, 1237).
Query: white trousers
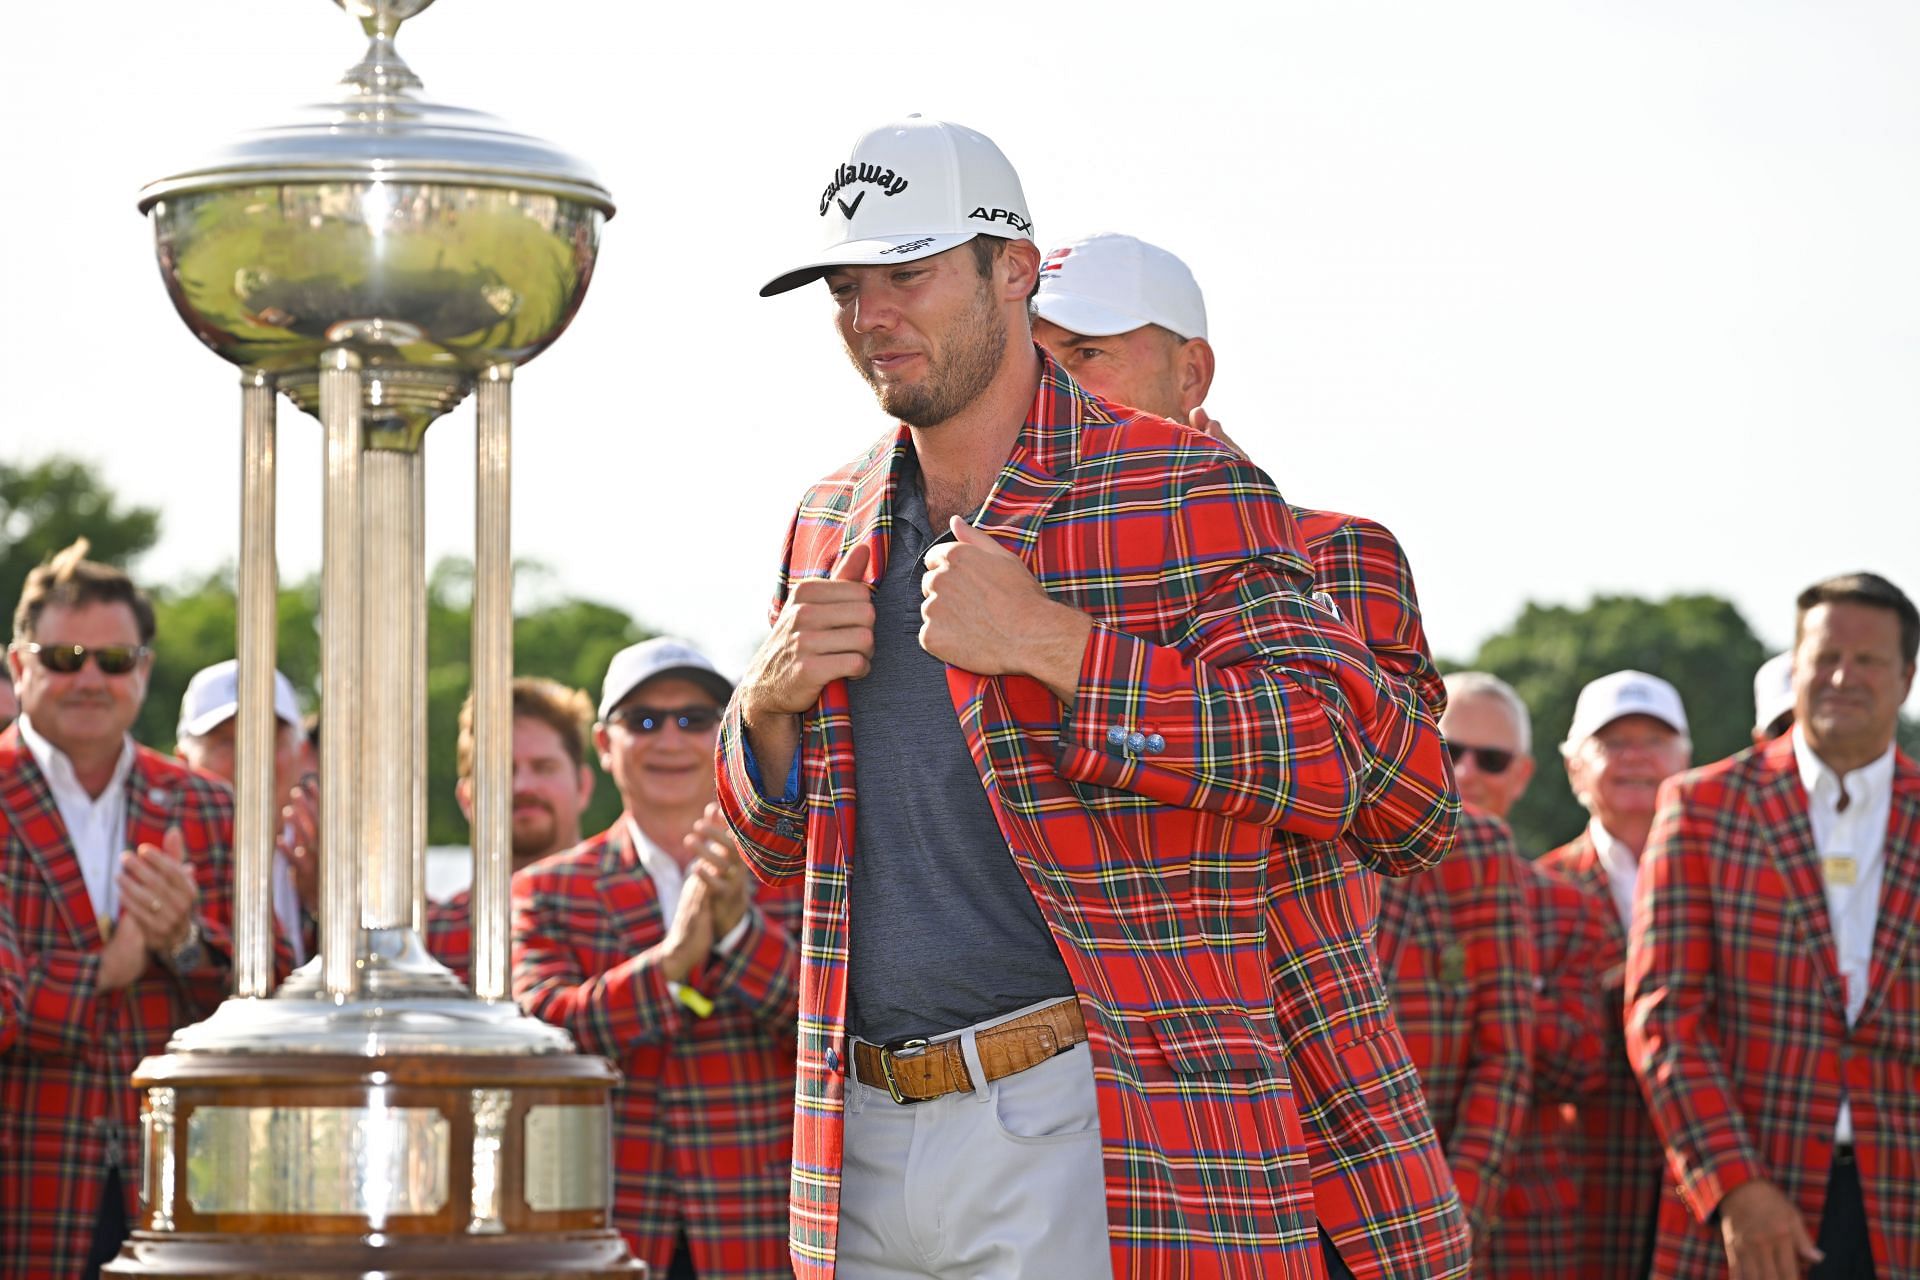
point(1002, 1183)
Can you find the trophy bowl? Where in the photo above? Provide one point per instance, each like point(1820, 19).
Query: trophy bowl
point(419, 236)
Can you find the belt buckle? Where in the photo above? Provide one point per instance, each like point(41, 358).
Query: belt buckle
point(886, 1066)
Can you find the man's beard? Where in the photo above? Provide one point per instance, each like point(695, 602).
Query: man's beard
point(531, 839)
point(975, 348)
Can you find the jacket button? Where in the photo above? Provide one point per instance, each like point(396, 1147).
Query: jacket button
point(833, 1060)
point(1116, 737)
point(1155, 744)
point(1136, 742)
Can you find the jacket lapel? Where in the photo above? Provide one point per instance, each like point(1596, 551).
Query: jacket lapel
point(632, 901)
point(1788, 834)
point(1899, 918)
point(870, 514)
point(24, 793)
point(152, 804)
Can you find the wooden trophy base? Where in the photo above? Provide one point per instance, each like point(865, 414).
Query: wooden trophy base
point(406, 1166)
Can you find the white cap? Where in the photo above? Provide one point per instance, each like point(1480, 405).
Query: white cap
point(1108, 284)
point(636, 664)
point(213, 696)
point(909, 190)
point(1772, 690)
point(1624, 693)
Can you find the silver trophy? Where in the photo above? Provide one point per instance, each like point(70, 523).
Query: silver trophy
point(375, 262)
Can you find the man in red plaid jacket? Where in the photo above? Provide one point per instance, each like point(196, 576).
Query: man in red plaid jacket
point(1140, 687)
point(1629, 734)
point(646, 945)
point(114, 862)
point(1489, 734)
point(1128, 320)
point(552, 786)
point(1773, 972)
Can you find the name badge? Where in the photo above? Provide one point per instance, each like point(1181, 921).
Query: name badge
point(1453, 963)
point(1841, 871)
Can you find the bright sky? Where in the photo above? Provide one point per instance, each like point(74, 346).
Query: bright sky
point(1578, 298)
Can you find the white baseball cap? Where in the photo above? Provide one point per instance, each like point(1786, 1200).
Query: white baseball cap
point(909, 190)
point(213, 696)
point(1108, 284)
point(1772, 690)
point(1624, 693)
point(636, 664)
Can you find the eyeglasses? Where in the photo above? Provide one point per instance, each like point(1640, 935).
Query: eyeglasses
point(112, 659)
point(654, 719)
point(1485, 759)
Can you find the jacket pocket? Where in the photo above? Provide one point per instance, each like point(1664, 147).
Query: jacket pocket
point(1198, 1043)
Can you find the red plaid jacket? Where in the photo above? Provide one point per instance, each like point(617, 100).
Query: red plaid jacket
point(1457, 951)
point(1149, 862)
point(1618, 1160)
point(1381, 1187)
point(1737, 1016)
point(67, 1113)
point(703, 1117)
point(450, 934)
point(1542, 1200)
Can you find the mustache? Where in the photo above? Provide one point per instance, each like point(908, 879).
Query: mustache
point(527, 798)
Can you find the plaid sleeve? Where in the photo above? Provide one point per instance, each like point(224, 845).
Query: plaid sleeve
point(1487, 901)
point(761, 971)
point(1258, 703)
point(771, 830)
point(609, 1013)
point(1670, 999)
point(1409, 807)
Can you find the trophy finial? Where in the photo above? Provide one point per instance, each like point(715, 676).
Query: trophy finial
point(382, 72)
point(380, 18)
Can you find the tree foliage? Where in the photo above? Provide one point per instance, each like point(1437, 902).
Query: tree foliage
point(45, 505)
point(1698, 642)
point(567, 639)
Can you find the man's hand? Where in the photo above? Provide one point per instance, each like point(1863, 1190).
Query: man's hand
point(158, 893)
point(690, 936)
point(124, 959)
point(983, 612)
point(717, 863)
point(824, 633)
point(1206, 425)
point(1766, 1237)
point(299, 841)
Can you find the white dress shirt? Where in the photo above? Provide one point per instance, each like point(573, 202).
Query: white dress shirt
point(1851, 843)
point(286, 908)
point(97, 827)
point(1622, 866)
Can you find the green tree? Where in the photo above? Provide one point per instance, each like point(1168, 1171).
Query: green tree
point(197, 624)
point(45, 505)
point(1699, 642)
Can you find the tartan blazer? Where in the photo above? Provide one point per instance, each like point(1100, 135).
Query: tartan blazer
point(1457, 953)
point(703, 1116)
point(1542, 1200)
point(1737, 1015)
point(1381, 1187)
point(1618, 1160)
point(67, 1113)
point(1216, 700)
point(450, 934)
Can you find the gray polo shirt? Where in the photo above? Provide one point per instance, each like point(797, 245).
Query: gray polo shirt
point(944, 931)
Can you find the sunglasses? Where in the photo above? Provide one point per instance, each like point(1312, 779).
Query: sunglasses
point(654, 719)
point(1485, 759)
point(112, 659)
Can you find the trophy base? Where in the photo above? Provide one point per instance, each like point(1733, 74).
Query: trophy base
point(400, 1164)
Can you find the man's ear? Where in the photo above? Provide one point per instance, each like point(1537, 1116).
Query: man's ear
point(463, 792)
point(1018, 267)
point(1194, 367)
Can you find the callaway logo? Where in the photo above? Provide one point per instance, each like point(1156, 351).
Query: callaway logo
point(1007, 216)
point(909, 246)
point(848, 174)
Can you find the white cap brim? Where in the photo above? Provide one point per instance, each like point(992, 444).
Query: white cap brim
point(867, 253)
point(207, 721)
point(1084, 316)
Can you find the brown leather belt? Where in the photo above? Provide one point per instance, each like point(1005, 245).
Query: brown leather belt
point(916, 1071)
